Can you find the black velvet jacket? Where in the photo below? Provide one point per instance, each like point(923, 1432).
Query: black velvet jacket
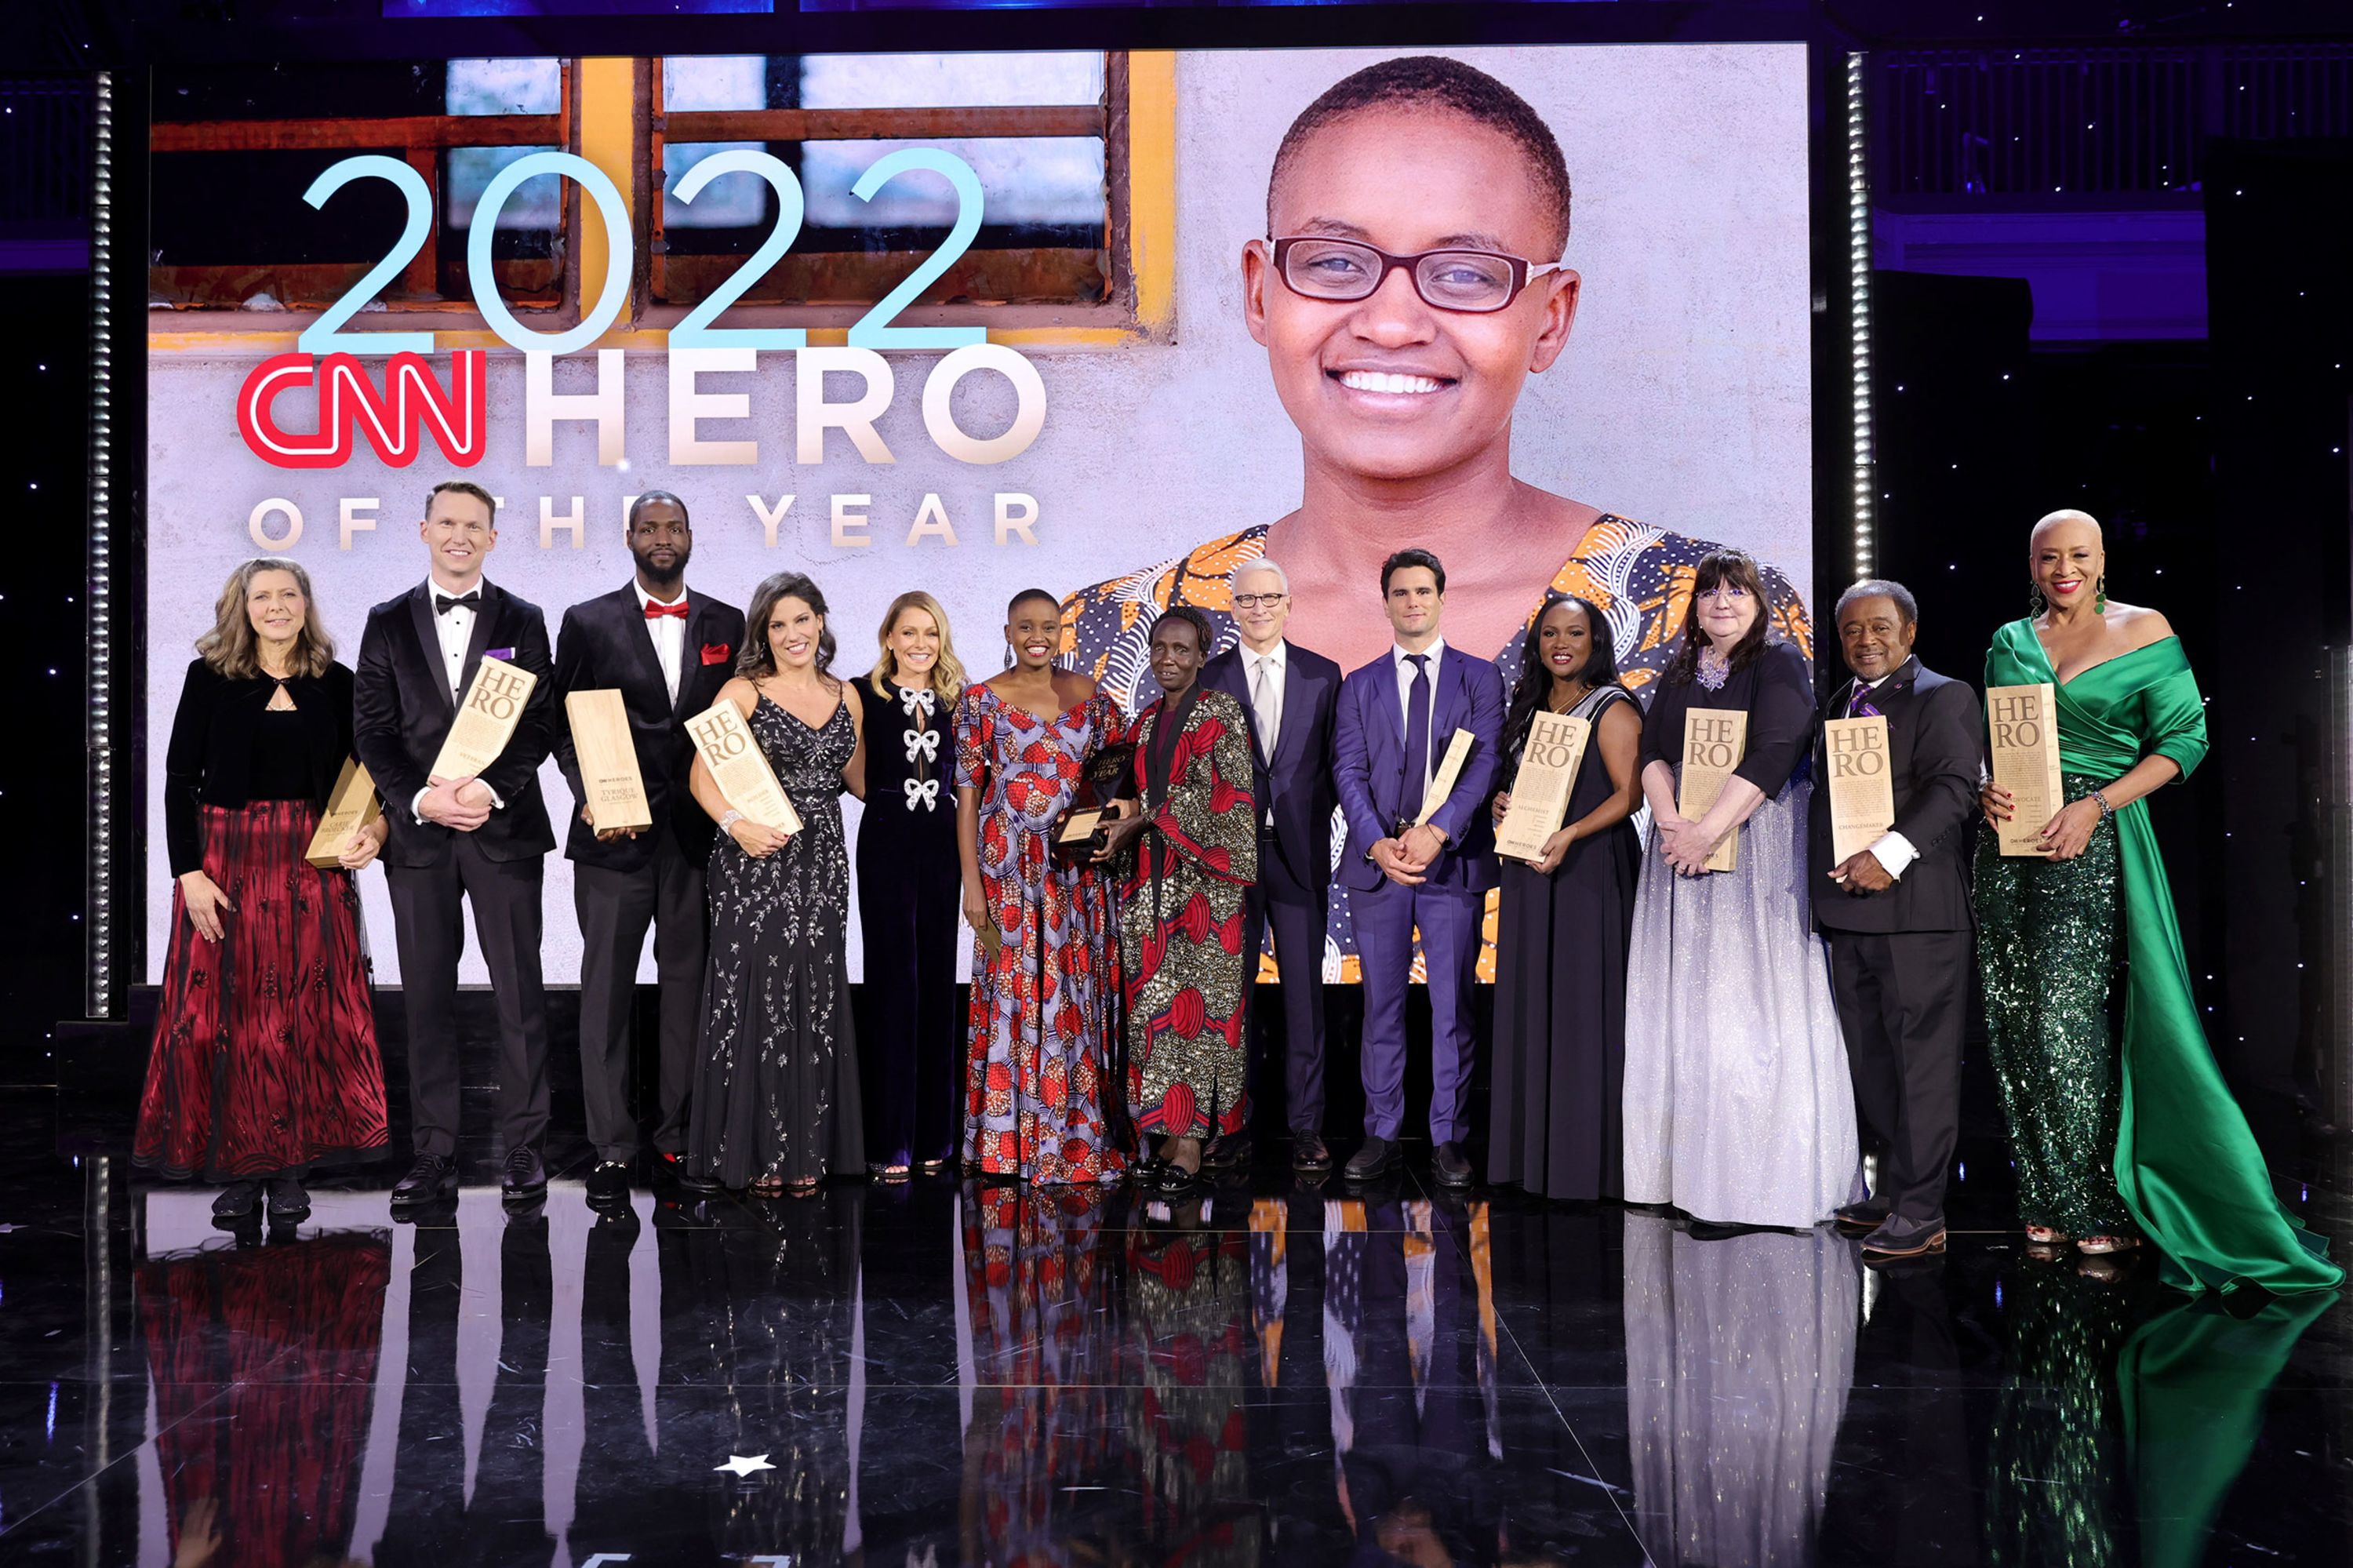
point(211, 753)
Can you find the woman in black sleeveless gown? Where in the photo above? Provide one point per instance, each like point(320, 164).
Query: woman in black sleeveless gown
point(776, 1100)
point(911, 1035)
point(1561, 938)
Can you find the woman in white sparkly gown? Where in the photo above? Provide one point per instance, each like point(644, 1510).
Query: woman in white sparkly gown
point(1738, 1109)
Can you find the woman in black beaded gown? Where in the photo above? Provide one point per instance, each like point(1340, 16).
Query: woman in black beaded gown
point(911, 1036)
point(776, 1091)
point(1565, 926)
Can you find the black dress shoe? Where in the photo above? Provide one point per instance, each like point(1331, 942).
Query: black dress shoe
point(692, 1179)
point(288, 1201)
point(1378, 1157)
point(524, 1175)
point(1451, 1167)
point(433, 1176)
point(237, 1200)
point(1230, 1153)
point(1309, 1154)
point(1861, 1219)
point(1175, 1181)
point(608, 1184)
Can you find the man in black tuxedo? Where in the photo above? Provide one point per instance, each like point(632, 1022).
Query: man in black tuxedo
point(455, 839)
point(667, 651)
point(1897, 916)
point(1290, 695)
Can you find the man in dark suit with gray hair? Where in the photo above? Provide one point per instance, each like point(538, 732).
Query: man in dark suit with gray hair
point(1289, 695)
point(1897, 917)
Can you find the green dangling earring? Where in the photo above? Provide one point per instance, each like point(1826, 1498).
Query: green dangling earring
point(2100, 595)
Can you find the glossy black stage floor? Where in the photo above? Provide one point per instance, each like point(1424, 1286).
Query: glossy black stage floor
point(939, 1372)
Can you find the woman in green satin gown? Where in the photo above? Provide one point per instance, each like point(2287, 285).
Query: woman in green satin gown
point(2120, 1124)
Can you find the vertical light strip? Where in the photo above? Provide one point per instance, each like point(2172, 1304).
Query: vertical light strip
point(98, 917)
point(1858, 263)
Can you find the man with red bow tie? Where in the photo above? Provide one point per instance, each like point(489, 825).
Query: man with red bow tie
point(667, 652)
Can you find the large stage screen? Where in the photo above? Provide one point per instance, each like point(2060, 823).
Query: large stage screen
point(604, 269)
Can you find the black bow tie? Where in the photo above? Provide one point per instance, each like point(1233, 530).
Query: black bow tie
point(443, 604)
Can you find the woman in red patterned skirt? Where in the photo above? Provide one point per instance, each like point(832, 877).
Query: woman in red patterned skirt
point(265, 1058)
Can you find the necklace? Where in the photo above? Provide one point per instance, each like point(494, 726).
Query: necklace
point(1715, 669)
point(1556, 704)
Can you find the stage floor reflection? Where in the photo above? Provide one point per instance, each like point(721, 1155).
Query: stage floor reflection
point(940, 1373)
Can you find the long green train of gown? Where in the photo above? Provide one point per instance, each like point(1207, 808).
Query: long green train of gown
point(2186, 1163)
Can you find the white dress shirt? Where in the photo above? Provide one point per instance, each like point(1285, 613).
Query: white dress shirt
point(1892, 850)
point(453, 628)
point(1262, 679)
point(1401, 658)
point(668, 632)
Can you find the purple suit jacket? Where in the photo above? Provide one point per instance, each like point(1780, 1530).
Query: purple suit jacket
point(1369, 767)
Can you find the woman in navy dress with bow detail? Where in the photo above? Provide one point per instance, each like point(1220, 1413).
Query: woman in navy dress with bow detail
point(908, 887)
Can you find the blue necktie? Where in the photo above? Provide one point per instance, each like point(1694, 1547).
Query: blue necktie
point(1417, 732)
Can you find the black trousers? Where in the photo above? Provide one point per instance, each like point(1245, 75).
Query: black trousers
point(615, 907)
point(428, 924)
point(1903, 1002)
point(1298, 917)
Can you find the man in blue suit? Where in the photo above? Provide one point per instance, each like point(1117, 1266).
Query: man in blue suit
point(1397, 716)
point(1289, 695)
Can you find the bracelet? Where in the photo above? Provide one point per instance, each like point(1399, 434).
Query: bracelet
point(729, 817)
point(2106, 811)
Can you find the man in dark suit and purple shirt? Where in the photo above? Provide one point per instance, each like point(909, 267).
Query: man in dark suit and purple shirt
point(667, 651)
point(1898, 918)
point(481, 839)
point(1289, 695)
point(1397, 716)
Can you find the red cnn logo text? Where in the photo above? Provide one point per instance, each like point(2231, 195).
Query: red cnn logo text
point(395, 421)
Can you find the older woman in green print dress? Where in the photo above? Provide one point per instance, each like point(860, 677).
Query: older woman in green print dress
point(2120, 1123)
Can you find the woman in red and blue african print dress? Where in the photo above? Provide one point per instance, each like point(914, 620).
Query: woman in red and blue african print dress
point(1193, 830)
point(1044, 998)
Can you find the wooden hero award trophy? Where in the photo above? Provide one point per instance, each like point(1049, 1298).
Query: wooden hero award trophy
point(350, 806)
point(2024, 741)
point(1862, 791)
point(486, 720)
point(1714, 740)
point(739, 768)
point(616, 795)
point(1540, 790)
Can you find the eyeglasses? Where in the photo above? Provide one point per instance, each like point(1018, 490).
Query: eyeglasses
point(1722, 593)
point(1340, 270)
point(1252, 600)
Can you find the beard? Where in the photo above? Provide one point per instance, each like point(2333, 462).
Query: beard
point(666, 577)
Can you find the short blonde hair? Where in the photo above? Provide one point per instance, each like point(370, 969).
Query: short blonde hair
point(947, 671)
point(232, 649)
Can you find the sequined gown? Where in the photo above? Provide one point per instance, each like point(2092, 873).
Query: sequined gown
point(775, 1089)
point(1739, 1358)
point(1044, 1013)
point(2119, 1120)
point(1737, 1106)
point(1181, 920)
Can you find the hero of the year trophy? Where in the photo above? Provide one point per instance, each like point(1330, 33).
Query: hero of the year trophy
point(615, 793)
point(1714, 740)
point(1862, 788)
point(486, 719)
point(1540, 790)
point(350, 806)
point(2024, 741)
point(1442, 783)
point(739, 768)
point(1079, 828)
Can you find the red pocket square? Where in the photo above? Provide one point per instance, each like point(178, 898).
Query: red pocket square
point(715, 653)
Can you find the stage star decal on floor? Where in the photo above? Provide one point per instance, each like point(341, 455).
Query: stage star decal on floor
point(743, 1466)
